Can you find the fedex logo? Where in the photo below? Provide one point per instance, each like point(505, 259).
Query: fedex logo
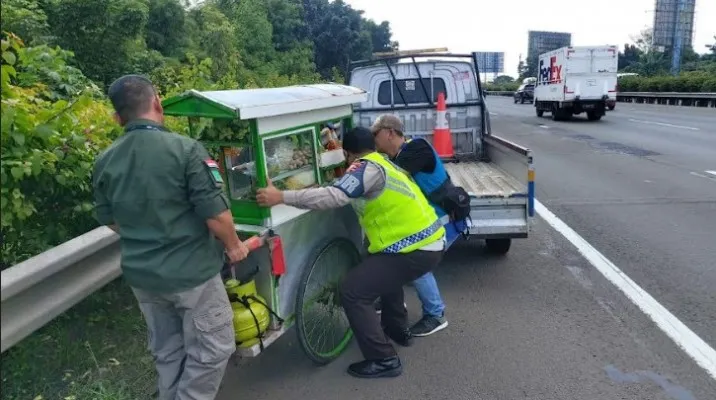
point(551, 73)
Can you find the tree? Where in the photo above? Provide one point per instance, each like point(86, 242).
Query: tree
point(522, 69)
point(338, 34)
point(629, 56)
point(381, 36)
point(644, 40)
point(502, 79)
point(105, 35)
point(712, 47)
point(166, 27)
point(24, 18)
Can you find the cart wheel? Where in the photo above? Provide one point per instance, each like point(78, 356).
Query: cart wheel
point(322, 326)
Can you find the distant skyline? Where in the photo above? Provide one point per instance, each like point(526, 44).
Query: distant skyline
point(468, 25)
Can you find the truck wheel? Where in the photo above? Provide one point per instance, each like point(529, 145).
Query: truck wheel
point(498, 246)
point(515, 99)
point(593, 116)
point(539, 112)
point(522, 99)
point(556, 114)
point(611, 107)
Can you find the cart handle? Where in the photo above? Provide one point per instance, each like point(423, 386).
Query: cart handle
point(255, 242)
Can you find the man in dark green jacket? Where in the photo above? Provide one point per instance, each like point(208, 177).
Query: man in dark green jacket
point(161, 192)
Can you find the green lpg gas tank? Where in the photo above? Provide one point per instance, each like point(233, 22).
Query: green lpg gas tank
point(246, 328)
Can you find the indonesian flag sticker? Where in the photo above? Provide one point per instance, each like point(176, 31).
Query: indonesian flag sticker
point(214, 169)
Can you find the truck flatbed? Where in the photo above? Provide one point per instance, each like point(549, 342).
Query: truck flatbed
point(482, 179)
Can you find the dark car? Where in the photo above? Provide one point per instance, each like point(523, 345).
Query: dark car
point(524, 93)
point(611, 104)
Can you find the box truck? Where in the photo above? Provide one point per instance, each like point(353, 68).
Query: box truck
point(576, 79)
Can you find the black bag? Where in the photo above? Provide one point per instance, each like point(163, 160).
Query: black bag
point(453, 199)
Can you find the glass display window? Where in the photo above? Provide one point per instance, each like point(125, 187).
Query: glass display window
point(290, 160)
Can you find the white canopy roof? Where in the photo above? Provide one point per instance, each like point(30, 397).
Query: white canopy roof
point(260, 103)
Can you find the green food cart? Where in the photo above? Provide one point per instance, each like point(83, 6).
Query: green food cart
point(298, 256)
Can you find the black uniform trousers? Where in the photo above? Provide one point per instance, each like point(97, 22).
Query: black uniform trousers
point(382, 275)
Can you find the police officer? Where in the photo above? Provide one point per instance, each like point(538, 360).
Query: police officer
point(420, 160)
point(406, 241)
point(160, 192)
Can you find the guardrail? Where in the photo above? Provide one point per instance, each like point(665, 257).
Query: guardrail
point(41, 288)
point(664, 98)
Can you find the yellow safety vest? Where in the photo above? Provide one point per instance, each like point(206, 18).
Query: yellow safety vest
point(400, 219)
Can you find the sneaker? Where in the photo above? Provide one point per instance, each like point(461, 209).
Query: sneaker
point(428, 325)
point(379, 306)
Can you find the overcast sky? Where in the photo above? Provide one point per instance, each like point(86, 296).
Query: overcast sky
point(502, 25)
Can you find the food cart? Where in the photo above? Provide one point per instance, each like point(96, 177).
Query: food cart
point(298, 256)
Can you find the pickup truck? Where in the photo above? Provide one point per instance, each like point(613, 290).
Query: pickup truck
point(497, 173)
point(577, 79)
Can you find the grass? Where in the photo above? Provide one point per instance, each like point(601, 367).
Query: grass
point(97, 350)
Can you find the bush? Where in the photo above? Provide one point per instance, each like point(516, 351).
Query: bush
point(504, 87)
point(689, 82)
point(54, 123)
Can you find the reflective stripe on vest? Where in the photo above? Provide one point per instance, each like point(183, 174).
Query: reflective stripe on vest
point(399, 219)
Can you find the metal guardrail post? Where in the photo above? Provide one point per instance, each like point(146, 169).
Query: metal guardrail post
point(39, 289)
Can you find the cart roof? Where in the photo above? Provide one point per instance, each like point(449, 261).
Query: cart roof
point(261, 103)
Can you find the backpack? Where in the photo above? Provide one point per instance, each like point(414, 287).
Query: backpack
point(453, 199)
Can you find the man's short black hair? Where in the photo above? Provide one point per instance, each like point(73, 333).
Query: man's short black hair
point(131, 96)
point(358, 140)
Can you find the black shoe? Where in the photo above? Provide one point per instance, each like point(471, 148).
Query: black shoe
point(385, 368)
point(428, 325)
point(402, 337)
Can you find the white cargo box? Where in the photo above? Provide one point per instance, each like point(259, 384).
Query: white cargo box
point(577, 73)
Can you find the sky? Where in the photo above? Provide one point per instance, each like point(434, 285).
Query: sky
point(464, 26)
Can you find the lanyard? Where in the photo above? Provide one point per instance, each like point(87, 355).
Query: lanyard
point(146, 127)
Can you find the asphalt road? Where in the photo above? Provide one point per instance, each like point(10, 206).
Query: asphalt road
point(635, 186)
point(543, 323)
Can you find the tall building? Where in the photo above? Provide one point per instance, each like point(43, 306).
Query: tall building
point(670, 22)
point(539, 42)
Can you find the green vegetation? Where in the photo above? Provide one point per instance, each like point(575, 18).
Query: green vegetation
point(58, 57)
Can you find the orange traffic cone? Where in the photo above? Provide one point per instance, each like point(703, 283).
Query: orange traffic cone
point(442, 139)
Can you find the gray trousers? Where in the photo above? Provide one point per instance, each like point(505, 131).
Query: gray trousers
point(191, 337)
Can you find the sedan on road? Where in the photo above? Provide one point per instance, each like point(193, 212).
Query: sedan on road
point(524, 93)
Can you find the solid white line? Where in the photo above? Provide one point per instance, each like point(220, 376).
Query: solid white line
point(687, 340)
point(664, 124)
point(711, 172)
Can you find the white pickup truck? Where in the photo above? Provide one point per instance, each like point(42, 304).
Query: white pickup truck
point(498, 174)
point(572, 80)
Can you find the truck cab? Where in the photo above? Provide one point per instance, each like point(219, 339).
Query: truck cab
point(494, 171)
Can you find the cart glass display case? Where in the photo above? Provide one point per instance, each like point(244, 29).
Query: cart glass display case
point(291, 159)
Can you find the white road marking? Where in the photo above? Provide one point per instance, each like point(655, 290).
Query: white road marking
point(664, 124)
point(697, 174)
point(495, 114)
point(687, 340)
point(711, 172)
point(544, 126)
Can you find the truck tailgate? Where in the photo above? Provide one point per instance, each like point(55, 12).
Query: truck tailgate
point(484, 180)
